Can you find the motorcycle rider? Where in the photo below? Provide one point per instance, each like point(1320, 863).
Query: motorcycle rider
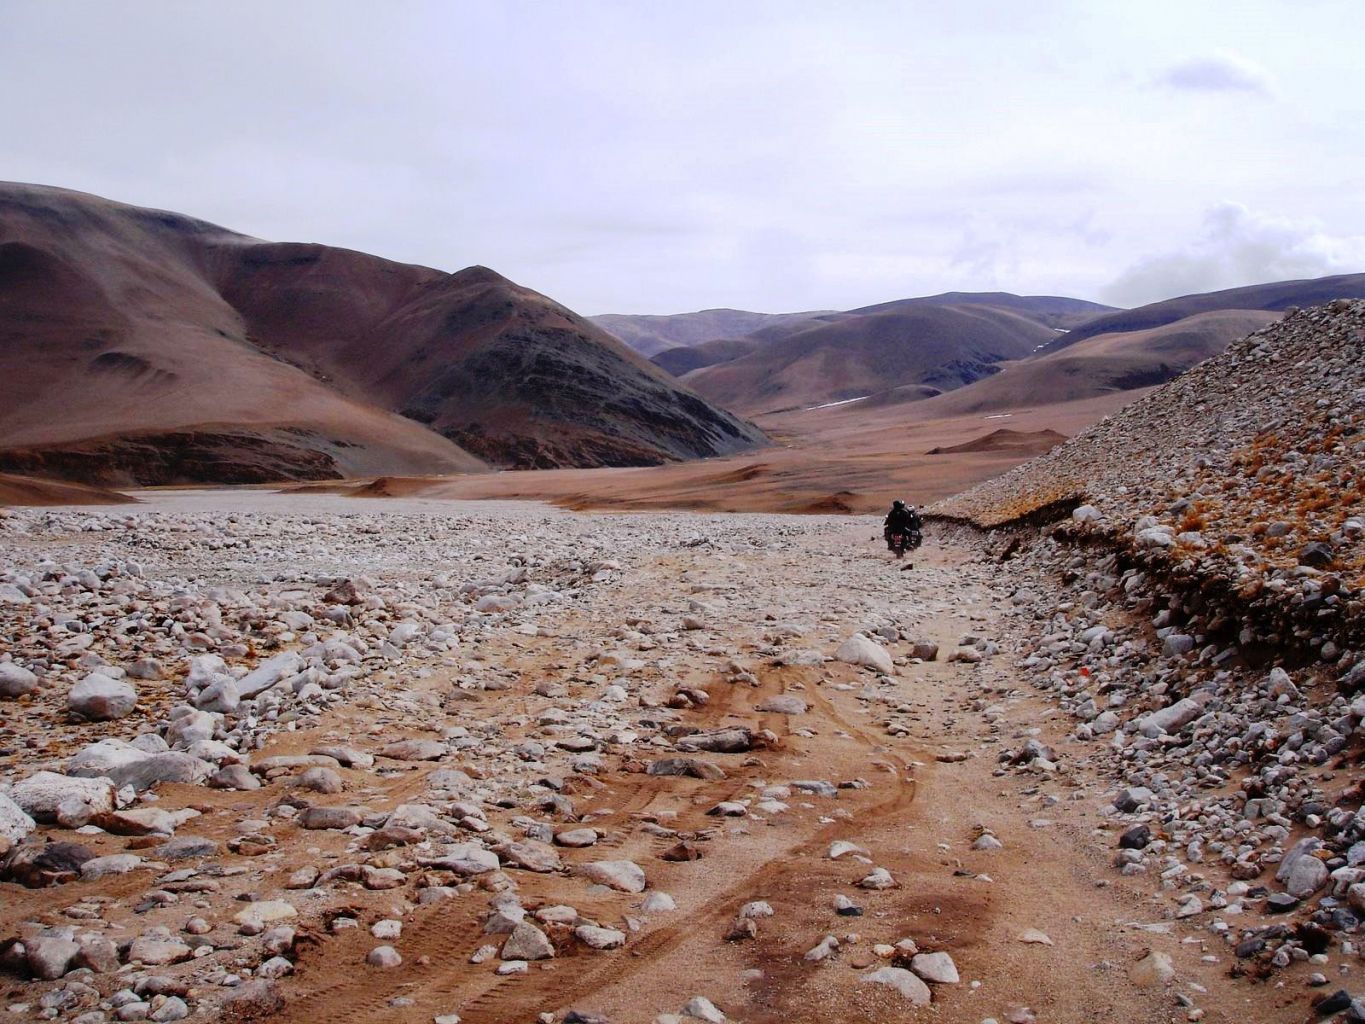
point(901, 517)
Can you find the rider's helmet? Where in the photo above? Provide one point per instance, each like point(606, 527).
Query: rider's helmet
point(898, 504)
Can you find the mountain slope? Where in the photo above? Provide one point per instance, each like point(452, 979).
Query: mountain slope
point(649, 334)
point(938, 347)
point(1049, 310)
point(1266, 432)
point(149, 342)
point(1104, 363)
point(686, 358)
point(1275, 297)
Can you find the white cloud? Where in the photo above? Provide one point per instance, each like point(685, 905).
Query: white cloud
point(1239, 247)
point(1218, 72)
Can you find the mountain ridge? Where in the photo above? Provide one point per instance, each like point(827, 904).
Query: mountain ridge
point(119, 321)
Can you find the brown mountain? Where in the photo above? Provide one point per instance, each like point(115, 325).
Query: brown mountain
point(650, 334)
point(1105, 363)
point(1049, 310)
point(138, 346)
point(1275, 297)
point(936, 348)
point(686, 358)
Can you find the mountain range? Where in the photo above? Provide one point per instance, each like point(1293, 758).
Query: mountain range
point(140, 346)
point(967, 352)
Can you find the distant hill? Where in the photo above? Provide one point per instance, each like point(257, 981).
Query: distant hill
point(854, 356)
point(650, 335)
point(1104, 363)
point(686, 358)
point(140, 346)
point(1049, 310)
point(1033, 442)
point(655, 335)
point(1275, 297)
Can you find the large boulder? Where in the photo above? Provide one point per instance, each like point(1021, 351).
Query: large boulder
point(911, 988)
point(1301, 870)
point(621, 875)
point(38, 864)
point(688, 767)
point(47, 796)
point(463, 859)
point(268, 673)
point(731, 740)
point(205, 669)
point(414, 750)
point(1170, 719)
point(144, 821)
point(189, 727)
point(936, 967)
point(532, 856)
point(99, 698)
point(859, 650)
point(50, 956)
point(103, 757)
point(221, 696)
point(15, 823)
point(783, 704)
point(16, 681)
point(172, 766)
point(527, 942)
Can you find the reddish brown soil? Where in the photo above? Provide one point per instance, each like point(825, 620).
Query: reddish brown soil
point(1006, 440)
point(826, 460)
point(27, 490)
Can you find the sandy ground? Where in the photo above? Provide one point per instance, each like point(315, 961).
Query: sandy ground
point(26, 490)
point(833, 460)
point(915, 816)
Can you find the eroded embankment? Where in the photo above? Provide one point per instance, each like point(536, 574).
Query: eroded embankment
point(1225, 713)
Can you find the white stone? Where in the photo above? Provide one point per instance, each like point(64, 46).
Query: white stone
point(859, 650)
point(622, 875)
point(99, 698)
point(936, 967)
point(15, 823)
point(41, 794)
point(915, 991)
point(16, 681)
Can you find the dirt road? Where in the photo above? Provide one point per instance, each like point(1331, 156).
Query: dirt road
point(733, 611)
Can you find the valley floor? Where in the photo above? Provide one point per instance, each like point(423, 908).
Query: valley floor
point(554, 703)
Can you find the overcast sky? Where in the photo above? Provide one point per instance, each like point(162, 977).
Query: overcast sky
point(652, 156)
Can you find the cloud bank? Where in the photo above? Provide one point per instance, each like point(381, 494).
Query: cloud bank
point(1239, 246)
point(1218, 72)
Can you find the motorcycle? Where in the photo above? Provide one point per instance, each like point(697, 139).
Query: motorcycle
point(901, 541)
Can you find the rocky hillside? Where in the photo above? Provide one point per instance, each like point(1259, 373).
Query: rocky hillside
point(139, 346)
point(1194, 606)
point(1247, 469)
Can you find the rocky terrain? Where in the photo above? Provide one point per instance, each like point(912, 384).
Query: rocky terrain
point(1093, 756)
point(289, 757)
point(1242, 478)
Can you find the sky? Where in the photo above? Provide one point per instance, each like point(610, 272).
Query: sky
point(652, 157)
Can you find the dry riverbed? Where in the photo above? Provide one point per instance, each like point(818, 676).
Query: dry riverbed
point(316, 758)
